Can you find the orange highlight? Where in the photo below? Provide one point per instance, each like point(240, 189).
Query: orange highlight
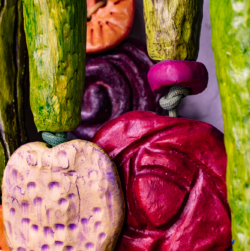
point(3, 243)
point(109, 25)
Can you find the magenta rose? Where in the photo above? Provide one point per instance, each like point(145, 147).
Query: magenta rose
point(173, 175)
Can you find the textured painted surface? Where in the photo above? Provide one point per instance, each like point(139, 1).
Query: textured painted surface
point(65, 198)
point(55, 33)
point(109, 25)
point(12, 77)
point(173, 28)
point(230, 41)
point(207, 105)
point(115, 83)
point(173, 174)
point(169, 73)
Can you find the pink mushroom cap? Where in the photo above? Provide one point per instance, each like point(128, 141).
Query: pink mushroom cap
point(178, 72)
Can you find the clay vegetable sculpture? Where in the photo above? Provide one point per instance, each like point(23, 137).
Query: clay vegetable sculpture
point(173, 175)
point(64, 198)
point(67, 197)
point(56, 44)
point(173, 28)
point(108, 25)
point(178, 78)
point(12, 77)
point(230, 42)
point(172, 169)
point(115, 83)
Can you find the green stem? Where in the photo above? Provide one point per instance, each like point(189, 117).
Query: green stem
point(171, 101)
point(55, 139)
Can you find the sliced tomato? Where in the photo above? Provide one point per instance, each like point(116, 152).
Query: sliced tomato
point(109, 25)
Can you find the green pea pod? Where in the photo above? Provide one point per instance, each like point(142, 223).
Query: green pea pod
point(173, 28)
point(230, 22)
point(13, 80)
point(56, 40)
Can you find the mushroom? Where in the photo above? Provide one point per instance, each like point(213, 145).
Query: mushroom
point(178, 78)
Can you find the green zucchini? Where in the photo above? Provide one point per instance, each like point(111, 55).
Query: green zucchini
point(230, 21)
point(56, 40)
point(12, 77)
point(173, 28)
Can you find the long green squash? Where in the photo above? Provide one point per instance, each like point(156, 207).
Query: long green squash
point(56, 61)
point(230, 20)
point(173, 28)
point(12, 80)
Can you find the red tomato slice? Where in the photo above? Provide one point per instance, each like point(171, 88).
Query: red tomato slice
point(109, 25)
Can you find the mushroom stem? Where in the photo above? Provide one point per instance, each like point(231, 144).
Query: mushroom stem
point(171, 101)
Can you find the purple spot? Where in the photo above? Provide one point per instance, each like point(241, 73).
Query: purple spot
point(102, 235)
point(58, 243)
point(62, 201)
point(31, 185)
point(62, 154)
point(69, 248)
point(72, 227)
point(71, 172)
point(14, 175)
point(48, 231)
point(21, 249)
point(111, 178)
point(59, 226)
point(45, 247)
point(97, 225)
point(53, 185)
point(25, 221)
point(12, 212)
point(89, 245)
point(37, 201)
point(25, 206)
point(47, 214)
point(34, 228)
point(71, 195)
point(84, 221)
point(97, 210)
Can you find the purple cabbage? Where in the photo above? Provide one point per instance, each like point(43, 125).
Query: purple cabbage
point(115, 83)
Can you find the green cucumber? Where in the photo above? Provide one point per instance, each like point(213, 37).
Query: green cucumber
point(173, 28)
point(56, 40)
point(12, 77)
point(230, 21)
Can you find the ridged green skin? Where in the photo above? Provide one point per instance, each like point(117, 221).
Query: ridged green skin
point(173, 28)
point(230, 20)
point(12, 80)
point(56, 39)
